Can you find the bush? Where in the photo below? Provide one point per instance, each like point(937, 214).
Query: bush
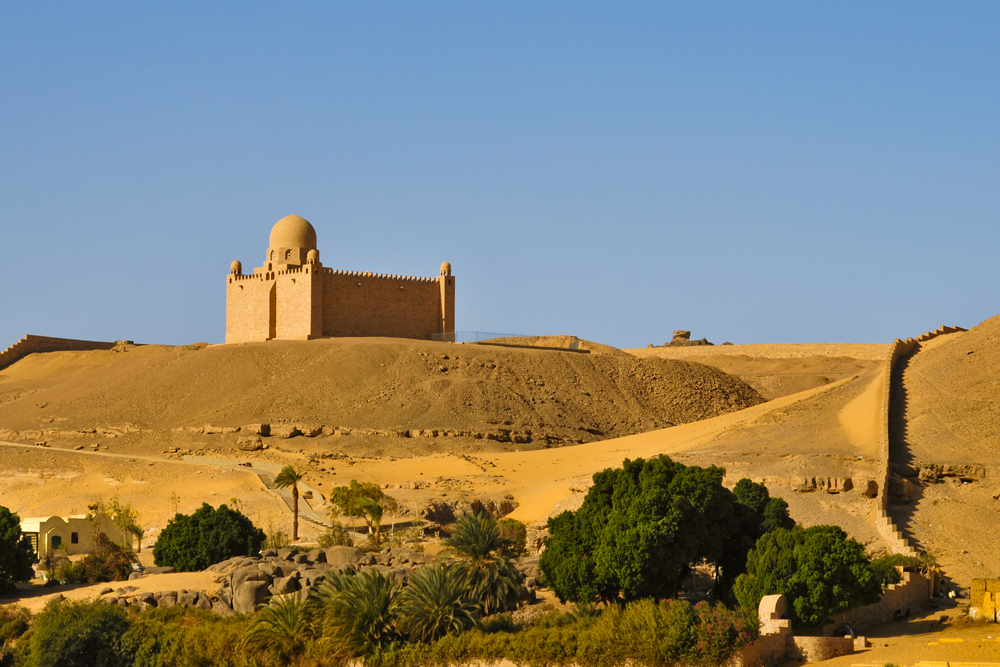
point(516, 533)
point(107, 562)
point(335, 536)
point(209, 536)
point(77, 634)
point(16, 554)
point(183, 637)
point(819, 569)
point(13, 624)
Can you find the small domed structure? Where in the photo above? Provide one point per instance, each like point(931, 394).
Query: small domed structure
point(293, 231)
point(312, 257)
point(446, 269)
point(236, 268)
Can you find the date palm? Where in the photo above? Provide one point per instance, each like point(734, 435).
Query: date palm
point(433, 604)
point(490, 579)
point(281, 629)
point(289, 478)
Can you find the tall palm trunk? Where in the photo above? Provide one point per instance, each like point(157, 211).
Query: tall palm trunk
point(295, 513)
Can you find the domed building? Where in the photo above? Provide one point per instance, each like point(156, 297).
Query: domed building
point(292, 296)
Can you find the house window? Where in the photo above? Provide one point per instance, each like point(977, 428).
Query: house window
point(56, 541)
point(288, 254)
point(74, 538)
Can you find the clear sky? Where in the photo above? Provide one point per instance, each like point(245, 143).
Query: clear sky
point(753, 172)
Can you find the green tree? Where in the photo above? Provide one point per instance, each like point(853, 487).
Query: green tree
point(754, 514)
point(289, 478)
point(16, 554)
point(433, 604)
point(366, 501)
point(819, 569)
point(77, 634)
point(491, 581)
point(356, 613)
point(516, 534)
point(642, 526)
point(194, 542)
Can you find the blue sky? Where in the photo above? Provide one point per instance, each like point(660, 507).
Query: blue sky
point(753, 172)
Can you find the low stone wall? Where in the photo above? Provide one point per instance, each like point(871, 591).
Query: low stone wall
point(31, 344)
point(984, 599)
point(814, 649)
point(905, 596)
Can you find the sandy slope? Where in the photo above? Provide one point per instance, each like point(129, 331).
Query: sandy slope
point(779, 370)
point(949, 393)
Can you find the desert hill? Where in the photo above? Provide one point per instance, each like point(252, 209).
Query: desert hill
point(375, 395)
point(779, 369)
point(945, 442)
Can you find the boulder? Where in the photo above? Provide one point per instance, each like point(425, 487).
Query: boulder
point(204, 602)
point(256, 429)
point(250, 444)
point(105, 591)
point(340, 557)
point(242, 575)
point(166, 569)
point(187, 599)
point(285, 585)
point(287, 554)
point(317, 556)
point(221, 608)
point(869, 489)
point(285, 430)
point(167, 599)
point(300, 558)
point(249, 596)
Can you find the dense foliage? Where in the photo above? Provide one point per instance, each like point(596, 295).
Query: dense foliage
point(16, 554)
point(208, 536)
point(76, 634)
point(642, 526)
point(819, 569)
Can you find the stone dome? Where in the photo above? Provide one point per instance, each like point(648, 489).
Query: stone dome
point(293, 232)
point(312, 257)
point(236, 268)
point(445, 268)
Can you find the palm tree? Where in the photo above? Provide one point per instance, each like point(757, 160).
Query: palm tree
point(289, 477)
point(433, 604)
point(137, 531)
point(356, 612)
point(282, 629)
point(491, 580)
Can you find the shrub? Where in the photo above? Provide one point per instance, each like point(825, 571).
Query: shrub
point(366, 501)
point(16, 554)
point(183, 637)
point(433, 604)
point(209, 536)
point(490, 580)
point(819, 569)
point(106, 562)
point(77, 634)
point(281, 630)
point(356, 612)
point(13, 623)
point(516, 533)
point(335, 536)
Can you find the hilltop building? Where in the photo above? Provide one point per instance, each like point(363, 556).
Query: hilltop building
point(294, 297)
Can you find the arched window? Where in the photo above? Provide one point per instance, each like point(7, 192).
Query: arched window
point(272, 255)
point(74, 538)
point(56, 541)
point(288, 254)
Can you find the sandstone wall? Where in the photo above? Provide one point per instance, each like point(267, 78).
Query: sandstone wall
point(356, 304)
point(250, 308)
point(298, 304)
point(30, 344)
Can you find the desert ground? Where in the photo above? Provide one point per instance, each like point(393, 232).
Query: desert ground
point(519, 426)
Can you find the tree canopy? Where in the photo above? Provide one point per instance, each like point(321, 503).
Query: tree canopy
point(16, 554)
point(643, 525)
point(820, 570)
point(194, 542)
point(365, 501)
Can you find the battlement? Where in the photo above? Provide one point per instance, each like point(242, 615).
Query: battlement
point(380, 276)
